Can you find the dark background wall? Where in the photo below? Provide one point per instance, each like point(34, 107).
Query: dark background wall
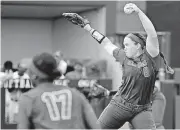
point(166, 17)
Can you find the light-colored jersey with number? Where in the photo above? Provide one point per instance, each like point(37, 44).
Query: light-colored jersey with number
point(50, 106)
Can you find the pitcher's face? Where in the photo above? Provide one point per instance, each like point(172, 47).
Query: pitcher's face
point(130, 47)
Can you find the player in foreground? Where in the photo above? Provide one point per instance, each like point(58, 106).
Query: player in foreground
point(49, 106)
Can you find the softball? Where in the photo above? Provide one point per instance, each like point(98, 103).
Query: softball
point(128, 10)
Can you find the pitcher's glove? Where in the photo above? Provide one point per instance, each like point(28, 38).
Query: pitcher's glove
point(76, 19)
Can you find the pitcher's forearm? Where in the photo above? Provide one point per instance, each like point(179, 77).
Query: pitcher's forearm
point(101, 39)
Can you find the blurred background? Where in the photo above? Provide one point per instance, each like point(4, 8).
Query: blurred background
point(31, 27)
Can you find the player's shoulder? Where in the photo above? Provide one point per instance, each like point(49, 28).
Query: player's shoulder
point(155, 59)
point(146, 53)
point(79, 95)
point(75, 92)
point(33, 93)
point(72, 90)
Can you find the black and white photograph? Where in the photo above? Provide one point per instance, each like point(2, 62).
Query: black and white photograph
point(90, 64)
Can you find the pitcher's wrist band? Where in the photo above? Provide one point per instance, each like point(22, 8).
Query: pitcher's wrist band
point(97, 36)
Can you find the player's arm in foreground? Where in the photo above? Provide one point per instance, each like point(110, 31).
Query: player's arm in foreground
point(24, 113)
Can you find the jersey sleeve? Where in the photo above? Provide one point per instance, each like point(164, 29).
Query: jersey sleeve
point(89, 115)
point(25, 108)
point(119, 55)
point(156, 60)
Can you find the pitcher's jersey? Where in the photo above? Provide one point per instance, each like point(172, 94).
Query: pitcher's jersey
point(138, 77)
